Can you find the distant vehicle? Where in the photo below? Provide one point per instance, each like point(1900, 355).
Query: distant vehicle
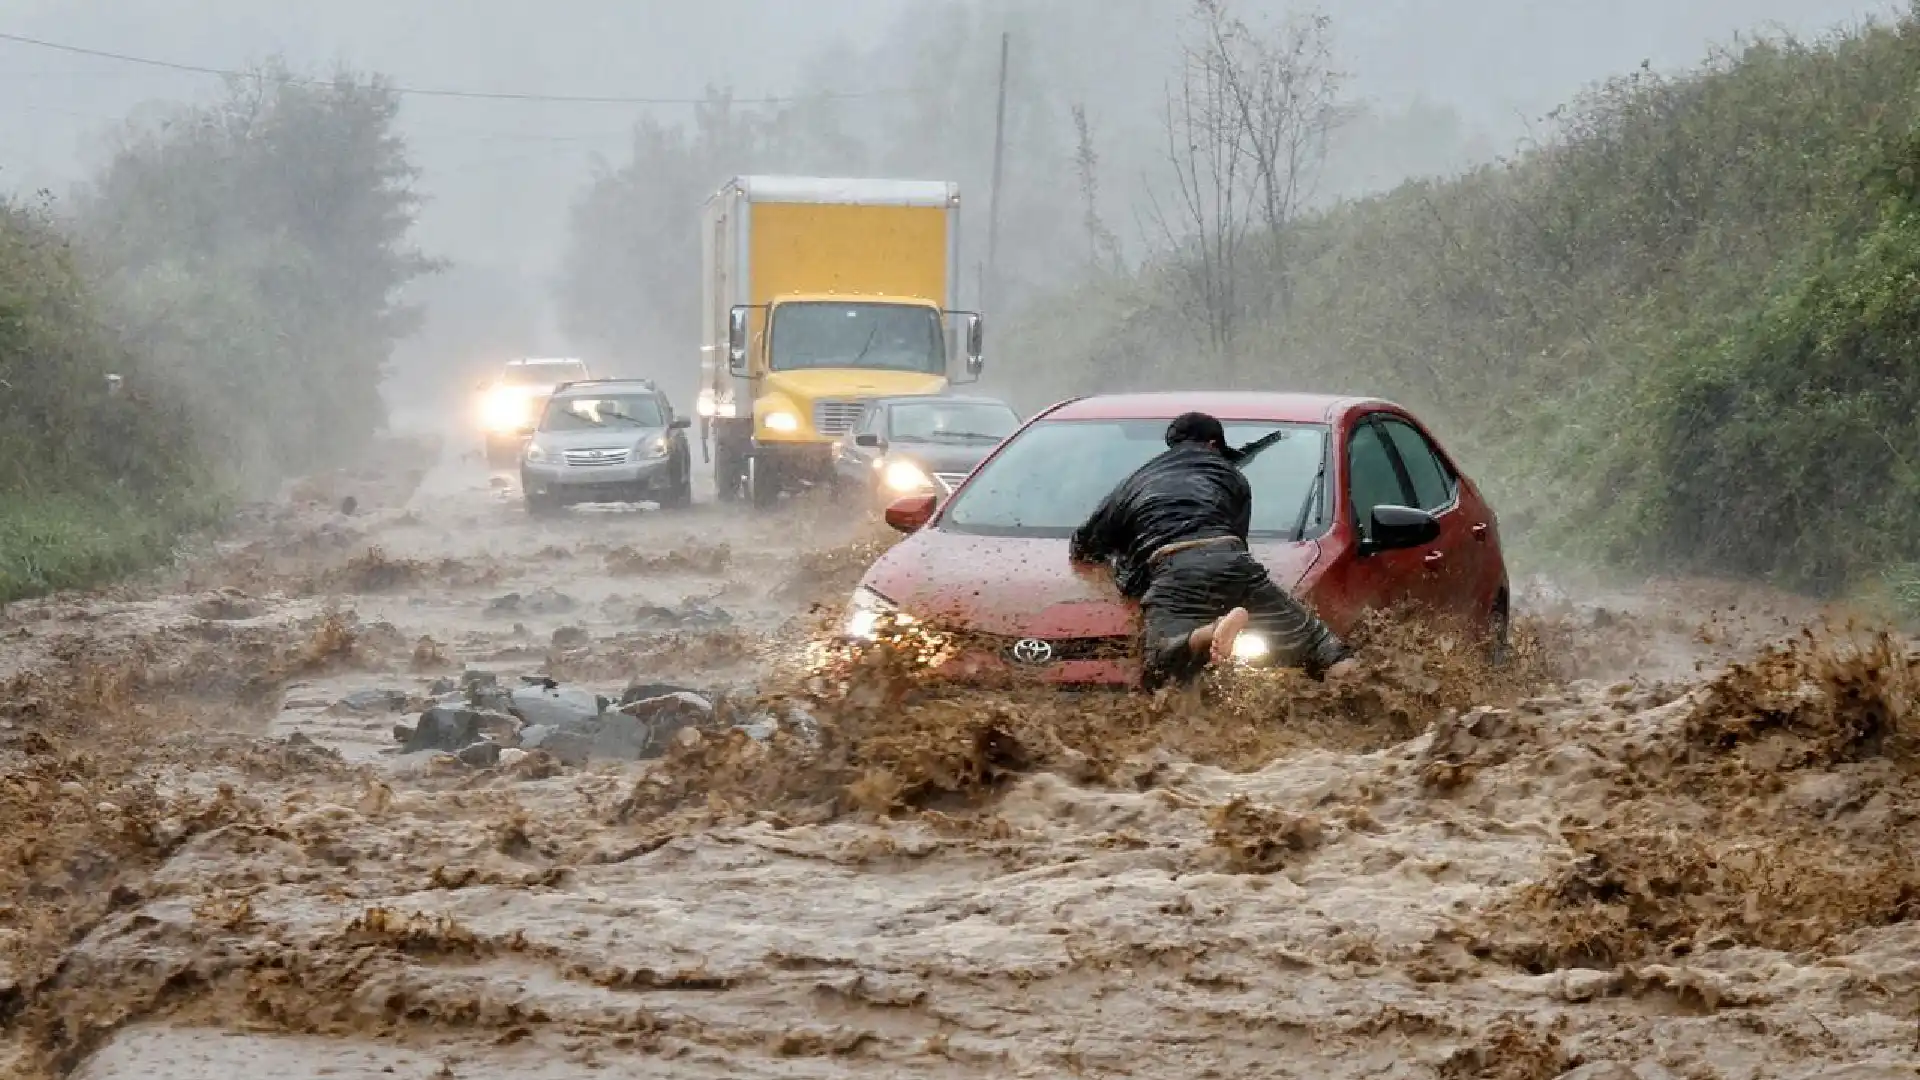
point(920, 444)
point(510, 403)
point(1357, 508)
point(819, 294)
point(606, 440)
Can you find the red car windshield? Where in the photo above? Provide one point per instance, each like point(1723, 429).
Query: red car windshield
point(1047, 480)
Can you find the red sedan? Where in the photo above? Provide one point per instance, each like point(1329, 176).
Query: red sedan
point(1357, 507)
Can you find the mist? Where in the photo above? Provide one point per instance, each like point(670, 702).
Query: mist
point(498, 178)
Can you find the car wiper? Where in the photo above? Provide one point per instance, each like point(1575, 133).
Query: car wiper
point(1307, 504)
point(1247, 453)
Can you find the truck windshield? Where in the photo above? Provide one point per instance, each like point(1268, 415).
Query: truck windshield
point(546, 373)
point(889, 337)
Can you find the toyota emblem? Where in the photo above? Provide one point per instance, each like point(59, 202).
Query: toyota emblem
point(1032, 651)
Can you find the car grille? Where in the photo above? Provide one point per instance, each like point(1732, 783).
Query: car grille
point(1100, 648)
point(835, 417)
point(591, 458)
point(949, 480)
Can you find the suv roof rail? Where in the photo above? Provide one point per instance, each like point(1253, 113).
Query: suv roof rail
point(648, 383)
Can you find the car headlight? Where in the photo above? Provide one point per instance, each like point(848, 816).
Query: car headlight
point(1250, 648)
point(905, 476)
point(505, 411)
point(536, 453)
point(782, 421)
point(865, 611)
point(654, 448)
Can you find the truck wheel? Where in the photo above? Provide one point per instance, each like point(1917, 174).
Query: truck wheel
point(501, 454)
point(727, 473)
point(763, 483)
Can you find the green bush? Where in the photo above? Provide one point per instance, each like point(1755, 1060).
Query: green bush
point(1681, 334)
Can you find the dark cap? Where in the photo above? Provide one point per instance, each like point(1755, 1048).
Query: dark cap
point(1196, 427)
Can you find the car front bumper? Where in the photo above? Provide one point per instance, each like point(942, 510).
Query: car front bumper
point(543, 478)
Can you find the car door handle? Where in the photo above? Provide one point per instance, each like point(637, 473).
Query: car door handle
point(1435, 558)
point(1480, 531)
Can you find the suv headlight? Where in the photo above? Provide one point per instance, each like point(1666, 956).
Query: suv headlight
point(865, 611)
point(535, 452)
point(654, 448)
point(906, 477)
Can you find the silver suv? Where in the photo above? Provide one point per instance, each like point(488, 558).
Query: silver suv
point(606, 440)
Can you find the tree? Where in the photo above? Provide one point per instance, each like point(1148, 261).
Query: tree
point(259, 248)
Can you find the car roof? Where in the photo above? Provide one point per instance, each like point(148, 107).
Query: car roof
point(1224, 404)
point(589, 385)
point(962, 399)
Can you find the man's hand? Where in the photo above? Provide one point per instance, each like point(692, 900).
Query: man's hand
point(1343, 672)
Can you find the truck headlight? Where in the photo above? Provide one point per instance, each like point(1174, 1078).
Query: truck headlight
point(782, 421)
point(905, 476)
point(1250, 647)
point(865, 611)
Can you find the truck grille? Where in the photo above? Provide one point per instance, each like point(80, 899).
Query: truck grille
point(835, 417)
point(590, 458)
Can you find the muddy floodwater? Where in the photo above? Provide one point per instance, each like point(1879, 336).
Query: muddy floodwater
point(1673, 841)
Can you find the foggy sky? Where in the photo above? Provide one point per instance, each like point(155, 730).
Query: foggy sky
point(500, 175)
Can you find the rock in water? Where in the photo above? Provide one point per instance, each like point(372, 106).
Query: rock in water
point(560, 707)
point(566, 747)
point(444, 727)
point(484, 754)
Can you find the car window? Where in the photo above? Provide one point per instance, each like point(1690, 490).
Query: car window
point(1432, 486)
point(1049, 477)
point(1371, 479)
point(609, 411)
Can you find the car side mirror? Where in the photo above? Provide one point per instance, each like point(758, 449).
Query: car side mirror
point(1396, 528)
point(868, 439)
point(737, 340)
point(679, 423)
point(909, 514)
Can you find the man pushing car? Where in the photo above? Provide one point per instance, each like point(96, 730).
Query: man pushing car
point(1175, 534)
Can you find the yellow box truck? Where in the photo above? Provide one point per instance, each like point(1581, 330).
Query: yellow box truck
point(818, 294)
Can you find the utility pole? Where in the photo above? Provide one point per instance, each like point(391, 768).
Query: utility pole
point(990, 286)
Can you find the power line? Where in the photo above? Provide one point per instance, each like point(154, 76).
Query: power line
point(440, 92)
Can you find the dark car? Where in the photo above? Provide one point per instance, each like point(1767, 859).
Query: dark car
point(1357, 507)
point(607, 440)
point(920, 444)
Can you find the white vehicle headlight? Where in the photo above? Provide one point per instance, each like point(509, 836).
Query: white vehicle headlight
point(782, 421)
point(1250, 647)
point(654, 448)
point(905, 476)
point(535, 452)
point(865, 611)
point(505, 410)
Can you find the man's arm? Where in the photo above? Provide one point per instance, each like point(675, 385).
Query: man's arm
point(1242, 505)
point(1093, 540)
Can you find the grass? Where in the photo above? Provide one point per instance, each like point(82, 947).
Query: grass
point(54, 542)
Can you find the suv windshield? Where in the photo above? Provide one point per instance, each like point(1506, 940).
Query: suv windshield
point(890, 337)
point(951, 421)
point(632, 410)
point(547, 374)
point(1048, 479)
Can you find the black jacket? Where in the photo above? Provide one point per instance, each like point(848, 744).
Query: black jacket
point(1190, 492)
